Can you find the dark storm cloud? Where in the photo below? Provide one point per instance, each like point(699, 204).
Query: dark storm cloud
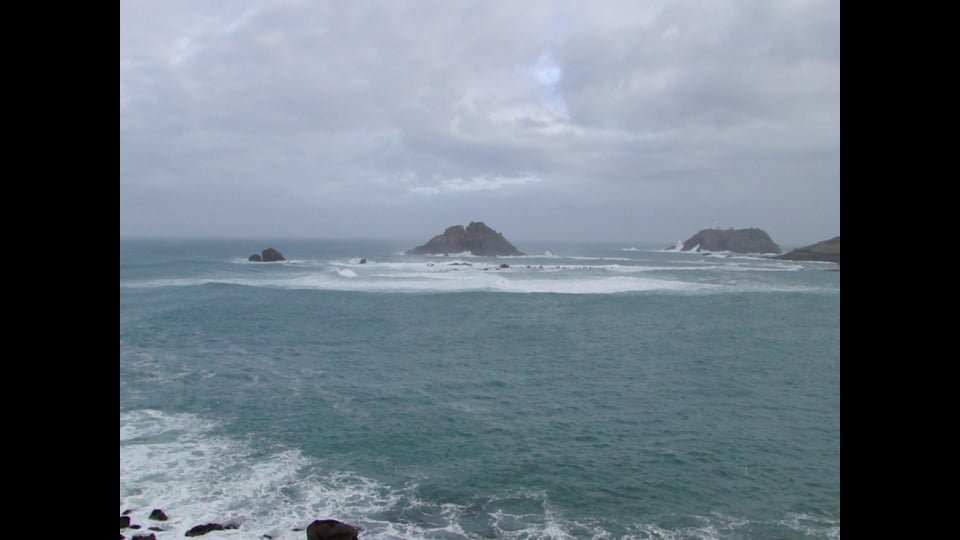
point(546, 119)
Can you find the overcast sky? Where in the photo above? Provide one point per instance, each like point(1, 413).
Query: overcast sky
point(588, 120)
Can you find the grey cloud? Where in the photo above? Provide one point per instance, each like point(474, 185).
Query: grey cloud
point(658, 114)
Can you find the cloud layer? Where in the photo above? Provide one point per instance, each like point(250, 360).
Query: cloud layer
point(582, 120)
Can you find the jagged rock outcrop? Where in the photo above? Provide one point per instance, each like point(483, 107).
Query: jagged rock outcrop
point(331, 529)
point(752, 240)
point(828, 250)
point(267, 255)
point(477, 238)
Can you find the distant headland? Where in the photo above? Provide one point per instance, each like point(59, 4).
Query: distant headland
point(828, 250)
point(752, 240)
point(477, 238)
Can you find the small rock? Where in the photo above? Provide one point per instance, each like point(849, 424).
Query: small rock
point(122, 537)
point(158, 529)
point(124, 522)
point(504, 265)
point(150, 536)
point(127, 511)
point(363, 261)
point(255, 258)
point(200, 530)
point(331, 529)
point(158, 515)
point(134, 526)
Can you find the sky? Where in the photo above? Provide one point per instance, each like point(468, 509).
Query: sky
point(554, 120)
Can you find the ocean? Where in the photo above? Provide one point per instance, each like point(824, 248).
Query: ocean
point(586, 391)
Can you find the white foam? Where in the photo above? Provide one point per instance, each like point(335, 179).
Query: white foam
point(185, 465)
point(597, 275)
point(629, 249)
point(819, 527)
point(492, 281)
point(179, 462)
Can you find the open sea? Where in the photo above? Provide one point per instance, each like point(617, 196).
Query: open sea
point(587, 391)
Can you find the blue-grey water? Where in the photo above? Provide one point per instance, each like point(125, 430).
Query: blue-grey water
point(587, 391)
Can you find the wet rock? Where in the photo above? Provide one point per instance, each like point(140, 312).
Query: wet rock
point(363, 261)
point(127, 512)
point(124, 522)
point(331, 529)
point(158, 515)
point(200, 530)
point(150, 536)
point(255, 258)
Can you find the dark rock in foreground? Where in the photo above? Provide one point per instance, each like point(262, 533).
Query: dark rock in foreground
point(828, 251)
point(124, 522)
point(476, 238)
point(331, 529)
point(150, 536)
point(158, 515)
point(751, 240)
point(200, 530)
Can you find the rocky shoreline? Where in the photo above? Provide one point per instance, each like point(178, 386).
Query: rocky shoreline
point(321, 529)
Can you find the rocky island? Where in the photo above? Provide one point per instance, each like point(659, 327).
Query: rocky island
point(828, 250)
point(267, 255)
point(752, 240)
point(477, 238)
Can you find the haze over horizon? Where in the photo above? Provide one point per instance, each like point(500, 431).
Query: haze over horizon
point(561, 120)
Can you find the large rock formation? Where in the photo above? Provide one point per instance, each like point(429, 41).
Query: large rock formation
point(828, 250)
point(268, 255)
point(751, 240)
point(477, 238)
